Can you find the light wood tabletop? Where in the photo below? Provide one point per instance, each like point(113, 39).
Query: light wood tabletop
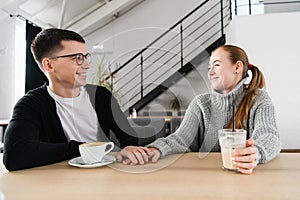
point(187, 176)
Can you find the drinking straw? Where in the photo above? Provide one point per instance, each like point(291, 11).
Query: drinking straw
point(233, 118)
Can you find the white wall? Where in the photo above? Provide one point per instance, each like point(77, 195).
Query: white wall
point(272, 43)
point(8, 75)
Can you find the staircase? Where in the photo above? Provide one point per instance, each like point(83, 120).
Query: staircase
point(172, 55)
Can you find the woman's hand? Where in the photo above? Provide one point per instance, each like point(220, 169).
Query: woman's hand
point(137, 155)
point(246, 159)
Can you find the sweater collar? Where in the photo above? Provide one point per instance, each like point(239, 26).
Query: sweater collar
point(225, 101)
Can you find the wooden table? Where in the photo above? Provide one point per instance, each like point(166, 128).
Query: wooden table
point(184, 177)
point(4, 122)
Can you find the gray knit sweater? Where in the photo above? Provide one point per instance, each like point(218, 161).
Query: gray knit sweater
point(208, 113)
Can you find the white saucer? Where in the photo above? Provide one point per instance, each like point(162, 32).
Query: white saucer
point(78, 162)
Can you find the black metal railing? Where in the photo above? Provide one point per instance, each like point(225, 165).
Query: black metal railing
point(250, 4)
point(170, 51)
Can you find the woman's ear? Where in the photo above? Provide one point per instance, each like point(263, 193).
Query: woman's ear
point(47, 66)
point(239, 67)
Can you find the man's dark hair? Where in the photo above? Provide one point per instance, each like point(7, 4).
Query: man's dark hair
point(49, 41)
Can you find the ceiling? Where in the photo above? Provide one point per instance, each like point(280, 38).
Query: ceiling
point(83, 16)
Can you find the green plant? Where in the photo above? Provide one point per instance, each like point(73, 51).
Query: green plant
point(176, 103)
point(100, 76)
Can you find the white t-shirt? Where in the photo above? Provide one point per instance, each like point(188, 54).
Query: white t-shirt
point(78, 117)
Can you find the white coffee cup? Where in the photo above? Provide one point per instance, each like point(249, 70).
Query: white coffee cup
point(230, 141)
point(95, 151)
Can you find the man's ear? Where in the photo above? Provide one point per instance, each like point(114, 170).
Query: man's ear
point(239, 67)
point(46, 65)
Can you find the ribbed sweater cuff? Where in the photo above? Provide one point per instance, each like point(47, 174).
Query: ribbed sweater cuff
point(162, 147)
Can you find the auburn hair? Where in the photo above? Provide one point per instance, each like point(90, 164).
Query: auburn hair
point(257, 82)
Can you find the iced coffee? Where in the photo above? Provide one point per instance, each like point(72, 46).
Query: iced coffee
point(230, 140)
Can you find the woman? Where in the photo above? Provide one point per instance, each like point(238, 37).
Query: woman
point(207, 113)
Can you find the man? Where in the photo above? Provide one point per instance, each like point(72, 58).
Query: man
point(50, 122)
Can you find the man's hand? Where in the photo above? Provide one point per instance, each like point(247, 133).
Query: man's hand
point(137, 155)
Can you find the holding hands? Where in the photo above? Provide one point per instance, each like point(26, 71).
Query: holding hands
point(137, 155)
point(246, 159)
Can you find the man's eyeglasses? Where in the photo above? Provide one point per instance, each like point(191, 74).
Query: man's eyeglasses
point(79, 57)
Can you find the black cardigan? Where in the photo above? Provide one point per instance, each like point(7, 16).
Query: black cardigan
point(35, 137)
